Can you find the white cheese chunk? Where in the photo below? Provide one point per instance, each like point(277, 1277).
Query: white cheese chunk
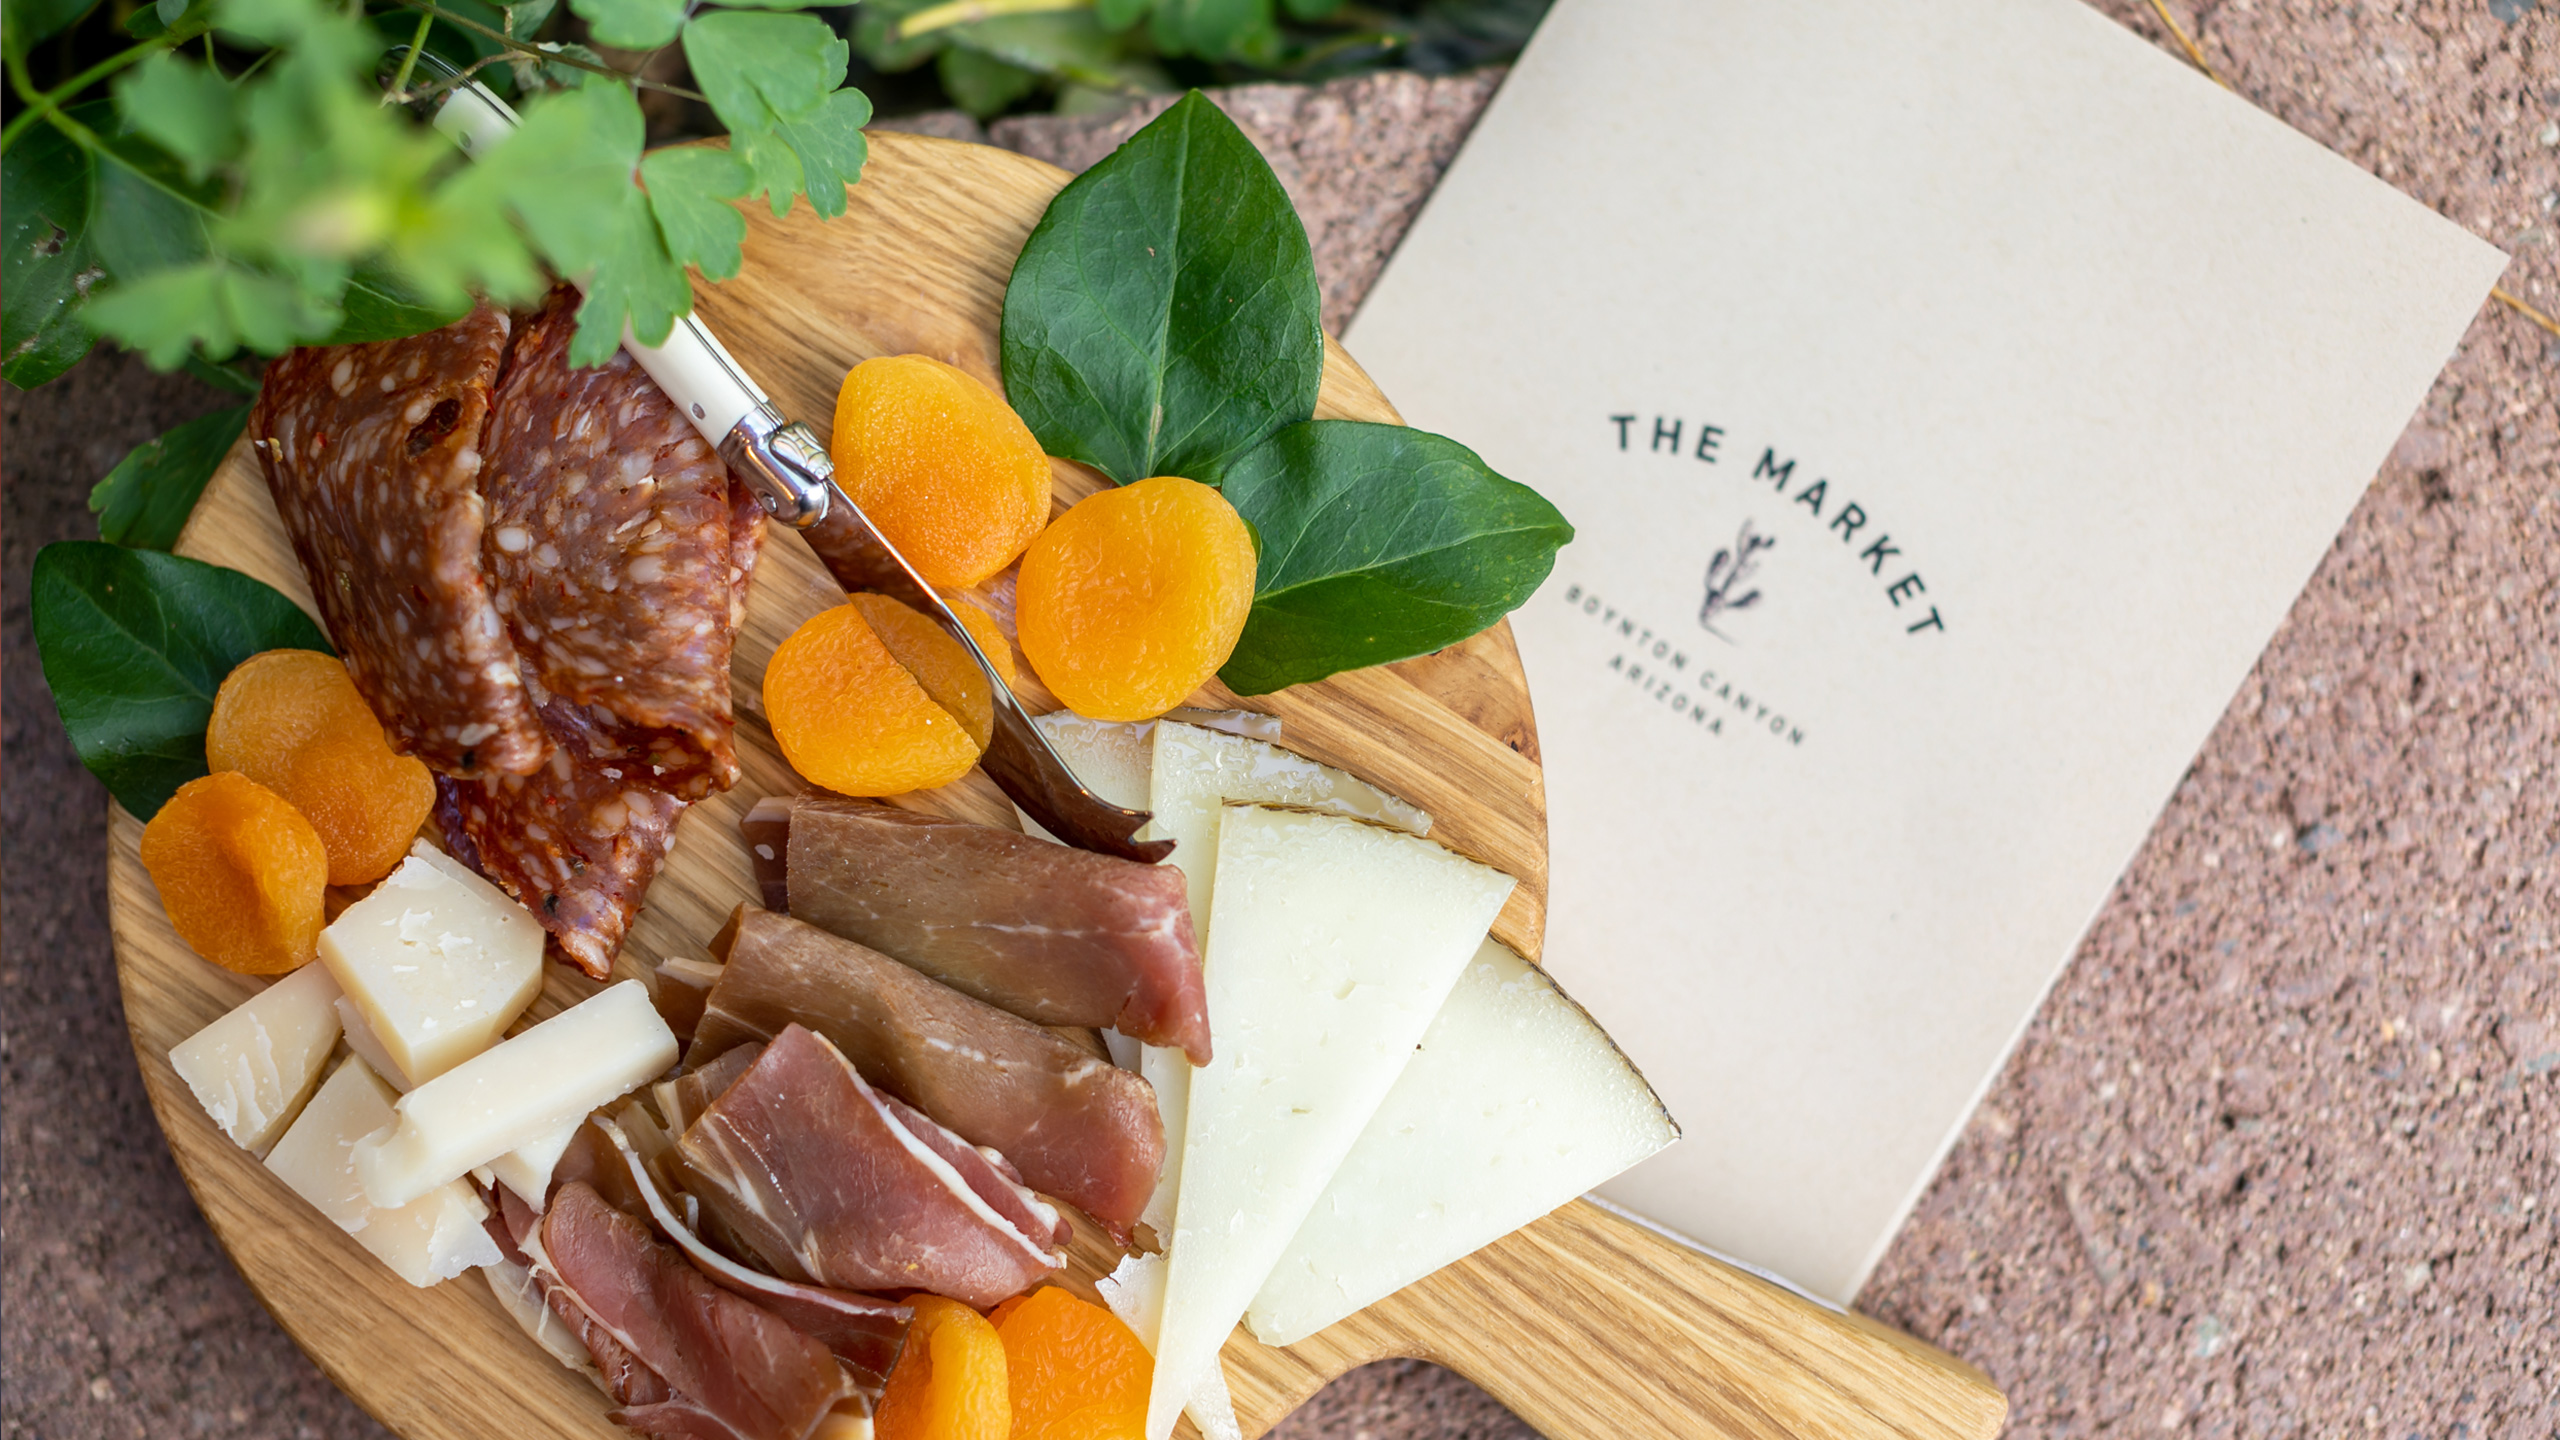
point(1135, 1293)
point(517, 1093)
point(1332, 943)
point(252, 1069)
point(360, 1039)
point(434, 1235)
point(527, 1169)
point(437, 960)
point(1516, 1103)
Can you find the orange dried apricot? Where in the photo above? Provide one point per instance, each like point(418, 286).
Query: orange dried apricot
point(241, 873)
point(1076, 1372)
point(292, 721)
point(1135, 597)
point(950, 1382)
point(939, 663)
point(941, 465)
point(849, 717)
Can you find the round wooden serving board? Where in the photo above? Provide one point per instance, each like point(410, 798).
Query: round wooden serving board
point(1585, 1323)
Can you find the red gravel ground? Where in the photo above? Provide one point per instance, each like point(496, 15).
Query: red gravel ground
point(2274, 1160)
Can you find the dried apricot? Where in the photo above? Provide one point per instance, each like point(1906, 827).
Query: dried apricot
point(849, 717)
point(1075, 1371)
point(241, 873)
point(1135, 597)
point(292, 721)
point(941, 465)
point(949, 1383)
point(939, 663)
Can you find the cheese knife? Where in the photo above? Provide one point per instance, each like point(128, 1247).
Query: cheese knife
point(793, 478)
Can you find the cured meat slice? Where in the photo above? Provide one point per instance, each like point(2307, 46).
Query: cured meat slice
point(863, 1331)
point(726, 1366)
point(1056, 935)
point(1080, 1128)
point(516, 1226)
point(826, 1181)
point(683, 1099)
point(576, 842)
point(373, 453)
point(610, 548)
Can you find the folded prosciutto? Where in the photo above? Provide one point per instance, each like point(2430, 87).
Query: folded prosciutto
point(824, 1180)
point(684, 1358)
point(1056, 935)
point(1078, 1127)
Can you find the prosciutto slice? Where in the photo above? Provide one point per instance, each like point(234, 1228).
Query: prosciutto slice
point(1080, 1128)
point(711, 1365)
point(1056, 935)
point(826, 1181)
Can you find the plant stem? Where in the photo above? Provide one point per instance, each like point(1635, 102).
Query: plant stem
point(964, 12)
point(409, 62)
point(538, 53)
point(48, 102)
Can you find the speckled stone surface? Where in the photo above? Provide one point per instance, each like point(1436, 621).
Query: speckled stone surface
point(2277, 1156)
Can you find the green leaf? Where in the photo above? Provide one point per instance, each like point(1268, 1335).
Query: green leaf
point(46, 261)
point(1069, 47)
point(239, 377)
point(380, 305)
point(689, 189)
point(1121, 14)
point(1211, 29)
point(186, 108)
point(147, 214)
point(1379, 543)
point(213, 305)
point(134, 645)
point(29, 21)
point(1163, 316)
point(982, 84)
point(830, 148)
point(773, 79)
point(144, 502)
point(523, 20)
point(631, 24)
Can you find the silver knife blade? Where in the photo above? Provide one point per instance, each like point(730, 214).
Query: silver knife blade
point(794, 479)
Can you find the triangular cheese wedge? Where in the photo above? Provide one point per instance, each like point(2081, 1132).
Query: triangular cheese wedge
point(1516, 1103)
point(1332, 943)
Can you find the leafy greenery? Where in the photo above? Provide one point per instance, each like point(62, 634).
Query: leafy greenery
point(1163, 316)
point(1162, 321)
point(1378, 543)
point(135, 643)
point(144, 502)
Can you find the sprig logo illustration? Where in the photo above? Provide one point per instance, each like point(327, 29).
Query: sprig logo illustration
point(1728, 573)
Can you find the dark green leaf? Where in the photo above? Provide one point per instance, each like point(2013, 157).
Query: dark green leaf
point(1069, 47)
point(47, 265)
point(1211, 29)
point(134, 645)
point(876, 35)
point(1379, 543)
point(379, 305)
point(29, 21)
point(239, 376)
point(144, 502)
point(689, 189)
point(148, 215)
point(1163, 316)
point(523, 20)
point(186, 108)
point(982, 84)
point(631, 24)
point(1312, 9)
point(1121, 14)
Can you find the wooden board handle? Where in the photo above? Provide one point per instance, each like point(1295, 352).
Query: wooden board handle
point(1587, 1324)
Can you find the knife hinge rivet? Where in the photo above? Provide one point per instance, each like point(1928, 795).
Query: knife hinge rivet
point(697, 409)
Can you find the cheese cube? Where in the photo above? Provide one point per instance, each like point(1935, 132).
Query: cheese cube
point(1516, 1103)
point(436, 1235)
point(361, 1040)
point(1332, 943)
point(438, 961)
point(527, 1169)
point(252, 1069)
point(517, 1093)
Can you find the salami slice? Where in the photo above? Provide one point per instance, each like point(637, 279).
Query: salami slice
point(610, 544)
point(373, 454)
point(576, 842)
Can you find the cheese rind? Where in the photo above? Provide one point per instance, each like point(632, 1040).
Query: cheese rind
point(437, 960)
point(1332, 943)
point(252, 1069)
point(1515, 1103)
point(433, 1236)
point(517, 1093)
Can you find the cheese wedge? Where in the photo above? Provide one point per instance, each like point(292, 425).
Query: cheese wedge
point(252, 1069)
point(360, 1039)
point(1516, 1103)
point(435, 1235)
point(517, 1093)
point(1332, 943)
point(437, 960)
point(527, 1169)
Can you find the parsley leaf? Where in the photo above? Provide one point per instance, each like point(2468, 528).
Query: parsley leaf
point(185, 107)
point(690, 188)
point(631, 24)
point(773, 81)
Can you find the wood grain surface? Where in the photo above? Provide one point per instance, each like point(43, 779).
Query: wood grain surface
point(1585, 1323)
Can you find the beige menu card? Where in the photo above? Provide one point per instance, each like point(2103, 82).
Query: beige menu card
point(1951, 397)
